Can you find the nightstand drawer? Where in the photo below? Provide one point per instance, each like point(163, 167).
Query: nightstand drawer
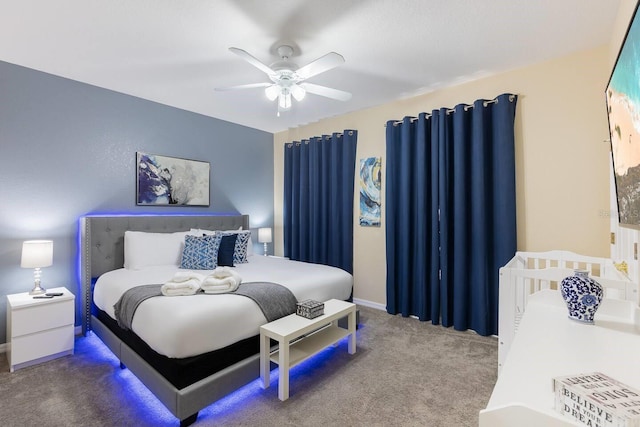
point(30, 319)
point(35, 346)
point(39, 329)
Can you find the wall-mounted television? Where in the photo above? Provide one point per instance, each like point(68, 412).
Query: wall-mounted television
point(623, 110)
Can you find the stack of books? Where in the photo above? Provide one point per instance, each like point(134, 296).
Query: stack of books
point(597, 400)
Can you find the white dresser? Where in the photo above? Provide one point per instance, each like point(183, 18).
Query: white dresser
point(548, 344)
point(39, 329)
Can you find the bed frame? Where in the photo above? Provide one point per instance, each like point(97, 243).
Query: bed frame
point(102, 250)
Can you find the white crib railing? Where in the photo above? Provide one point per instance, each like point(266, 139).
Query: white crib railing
point(529, 272)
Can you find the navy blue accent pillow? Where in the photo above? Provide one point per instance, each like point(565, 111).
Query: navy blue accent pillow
point(226, 250)
point(242, 245)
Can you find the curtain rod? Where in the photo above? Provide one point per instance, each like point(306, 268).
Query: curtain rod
point(451, 110)
point(323, 137)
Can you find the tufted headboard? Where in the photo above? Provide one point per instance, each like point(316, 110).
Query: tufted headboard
point(102, 242)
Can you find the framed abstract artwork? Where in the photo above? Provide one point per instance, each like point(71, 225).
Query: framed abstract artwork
point(171, 181)
point(370, 173)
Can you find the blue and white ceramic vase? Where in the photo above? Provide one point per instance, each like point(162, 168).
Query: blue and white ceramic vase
point(582, 294)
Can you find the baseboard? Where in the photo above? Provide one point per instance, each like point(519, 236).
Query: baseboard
point(3, 347)
point(370, 304)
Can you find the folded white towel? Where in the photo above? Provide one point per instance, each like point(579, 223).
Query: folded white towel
point(187, 287)
point(214, 285)
point(223, 273)
point(218, 289)
point(183, 276)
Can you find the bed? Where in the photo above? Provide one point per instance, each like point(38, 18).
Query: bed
point(185, 365)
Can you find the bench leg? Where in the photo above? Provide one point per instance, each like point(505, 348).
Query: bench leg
point(352, 330)
point(283, 369)
point(265, 347)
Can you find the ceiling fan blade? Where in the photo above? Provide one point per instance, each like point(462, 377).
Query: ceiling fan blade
point(320, 65)
point(252, 60)
point(248, 86)
point(328, 92)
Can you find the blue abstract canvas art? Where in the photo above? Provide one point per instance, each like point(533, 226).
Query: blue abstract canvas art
point(171, 181)
point(370, 173)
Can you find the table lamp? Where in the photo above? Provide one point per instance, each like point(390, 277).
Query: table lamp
point(37, 254)
point(264, 236)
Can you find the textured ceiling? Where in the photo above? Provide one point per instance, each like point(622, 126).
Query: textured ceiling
point(176, 52)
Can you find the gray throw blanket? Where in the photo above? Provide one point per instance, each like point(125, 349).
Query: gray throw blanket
point(128, 303)
point(274, 300)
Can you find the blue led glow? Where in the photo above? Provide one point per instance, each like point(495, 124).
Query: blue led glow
point(78, 260)
point(153, 412)
point(135, 393)
point(119, 214)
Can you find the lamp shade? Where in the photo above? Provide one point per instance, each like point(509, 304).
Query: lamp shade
point(284, 100)
point(264, 235)
point(272, 92)
point(298, 93)
point(37, 253)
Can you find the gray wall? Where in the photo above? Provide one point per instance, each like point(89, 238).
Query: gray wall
point(68, 149)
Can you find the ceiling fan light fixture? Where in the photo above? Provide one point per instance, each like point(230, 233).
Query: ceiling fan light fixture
point(284, 101)
point(272, 92)
point(290, 80)
point(298, 92)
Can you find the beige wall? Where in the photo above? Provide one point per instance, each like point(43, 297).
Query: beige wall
point(562, 158)
point(625, 12)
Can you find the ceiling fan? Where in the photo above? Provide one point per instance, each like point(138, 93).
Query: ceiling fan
point(287, 79)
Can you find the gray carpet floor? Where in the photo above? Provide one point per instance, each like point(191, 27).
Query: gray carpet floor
point(404, 373)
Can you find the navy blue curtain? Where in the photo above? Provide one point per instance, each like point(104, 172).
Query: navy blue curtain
point(451, 213)
point(318, 199)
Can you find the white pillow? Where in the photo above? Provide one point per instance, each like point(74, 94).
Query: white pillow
point(250, 247)
point(142, 249)
point(201, 232)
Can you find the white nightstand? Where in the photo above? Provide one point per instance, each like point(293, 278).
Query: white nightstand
point(39, 329)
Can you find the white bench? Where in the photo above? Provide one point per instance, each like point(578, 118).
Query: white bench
point(300, 338)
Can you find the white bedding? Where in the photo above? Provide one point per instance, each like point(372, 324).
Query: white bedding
point(183, 326)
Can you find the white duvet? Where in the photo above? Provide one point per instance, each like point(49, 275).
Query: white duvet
point(183, 326)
